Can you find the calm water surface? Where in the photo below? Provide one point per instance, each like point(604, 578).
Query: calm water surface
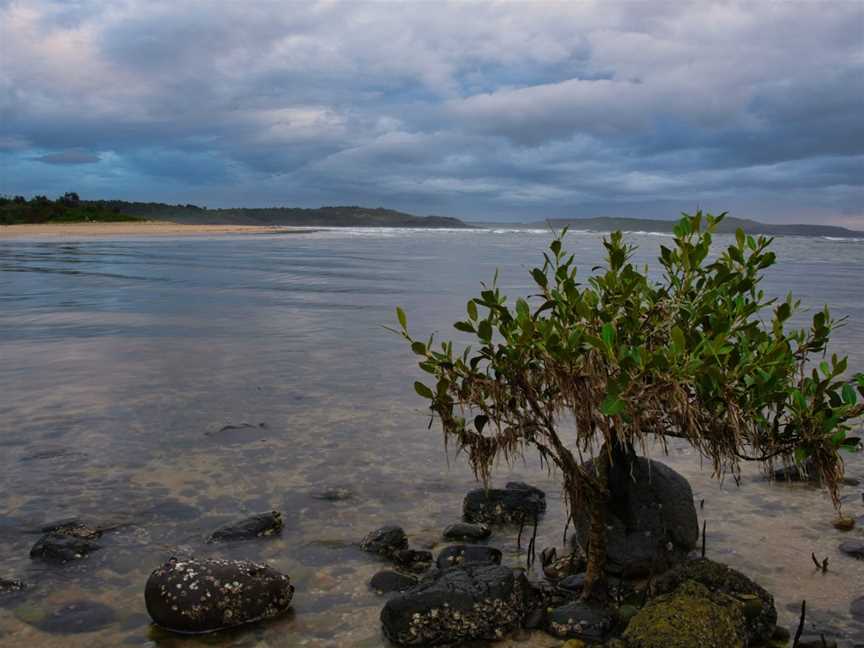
point(122, 359)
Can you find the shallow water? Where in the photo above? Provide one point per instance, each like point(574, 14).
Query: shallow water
point(123, 359)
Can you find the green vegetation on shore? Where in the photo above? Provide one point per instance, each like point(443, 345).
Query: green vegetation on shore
point(68, 208)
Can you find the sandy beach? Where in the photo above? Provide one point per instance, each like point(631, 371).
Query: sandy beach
point(142, 228)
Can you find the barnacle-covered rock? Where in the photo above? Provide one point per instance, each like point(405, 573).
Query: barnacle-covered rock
point(457, 604)
point(515, 503)
point(9, 586)
point(468, 555)
point(62, 548)
point(650, 519)
point(757, 604)
point(255, 526)
point(465, 531)
point(385, 541)
point(690, 616)
point(579, 620)
point(198, 596)
point(416, 561)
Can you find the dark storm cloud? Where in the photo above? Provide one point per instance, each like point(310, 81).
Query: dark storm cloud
point(484, 110)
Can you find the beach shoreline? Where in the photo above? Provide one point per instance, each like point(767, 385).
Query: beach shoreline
point(138, 228)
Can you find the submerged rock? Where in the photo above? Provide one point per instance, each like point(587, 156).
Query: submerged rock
point(72, 527)
point(385, 541)
point(468, 555)
point(512, 504)
point(255, 526)
point(757, 604)
point(335, 494)
point(457, 604)
point(690, 616)
point(11, 585)
point(60, 548)
point(650, 519)
point(385, 582)
point(580, 621)
point(199, 596)
point(854, 548)
point(465, 531)
point(74, 618)
point(413, 560)
point(857, 608)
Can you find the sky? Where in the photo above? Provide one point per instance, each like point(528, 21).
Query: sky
point(487, 111)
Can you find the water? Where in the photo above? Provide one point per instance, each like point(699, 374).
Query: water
point(122, 359)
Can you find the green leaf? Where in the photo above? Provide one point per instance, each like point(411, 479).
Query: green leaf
point(522, 309)
point(539, 277)
point(465, 327)
point(423, 390)
point(472, 310)
point(740, 237)
point(678, 341)
point(824, 368)
point(400, 315)
point(608, 334)
point(849, 395)
point(612, 406)
point(484, 331)
point(419, 348)
point(555, 246)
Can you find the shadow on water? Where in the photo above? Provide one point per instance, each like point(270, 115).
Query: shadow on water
point(164, 387)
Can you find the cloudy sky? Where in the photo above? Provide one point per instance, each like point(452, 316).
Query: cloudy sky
point(501, 111)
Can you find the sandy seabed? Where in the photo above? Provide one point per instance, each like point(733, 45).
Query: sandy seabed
point(142, 228)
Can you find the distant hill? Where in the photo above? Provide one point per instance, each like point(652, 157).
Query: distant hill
point(341, 216)
point(728, 226)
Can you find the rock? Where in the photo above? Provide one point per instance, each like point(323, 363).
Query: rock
point(72, 527)
point(465, 531)
point(572, 563)
point(457, 604)
point(60, 548)
point(535, 619)
point(781, 634)
point(413, 560)
point(854, 548)
point(468, 555)
point(757, 603)
point(385, 541)
point(572, 585)
point(334, 494)
point(255, 526)
point(512, 504)
point(580, 621)
point(815, 642)
point(10, 586)
point(690, 616)
point(651, 520)
point(74, 618)
point(844, 523)
point(199, 596)
point(857, 608)
point(385, 582)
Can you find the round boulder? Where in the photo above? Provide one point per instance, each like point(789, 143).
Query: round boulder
point(515, 503)
point(465, 531)
point(385, 541)
point(468, 555)
point(650, 520)
point(61, 548)
point(199, 596)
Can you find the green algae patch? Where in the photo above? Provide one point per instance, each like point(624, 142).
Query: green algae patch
point(690, 616)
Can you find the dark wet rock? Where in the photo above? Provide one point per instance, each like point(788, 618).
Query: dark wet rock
point(385, 582)
point(812, 641)
point(413, 560)
point(535, 619)
point(854, 548)
point(468, 555)
point(74, 618)
point(757, 604)
point(72, 527)
point(334, 494)
point(385, 541)
point(8, 586)
point(579, 620)
point(651, 520)
point(198, 596)
point(56, 547)
point(457, 604)
point(561, 567)
point(690, 616)
point(512, 504)
point(465, 531)
point(857, 608)
point(796, 473)
point(255, 526)
point(572, 584)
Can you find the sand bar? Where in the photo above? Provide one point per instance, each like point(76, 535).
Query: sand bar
point(142, 228)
